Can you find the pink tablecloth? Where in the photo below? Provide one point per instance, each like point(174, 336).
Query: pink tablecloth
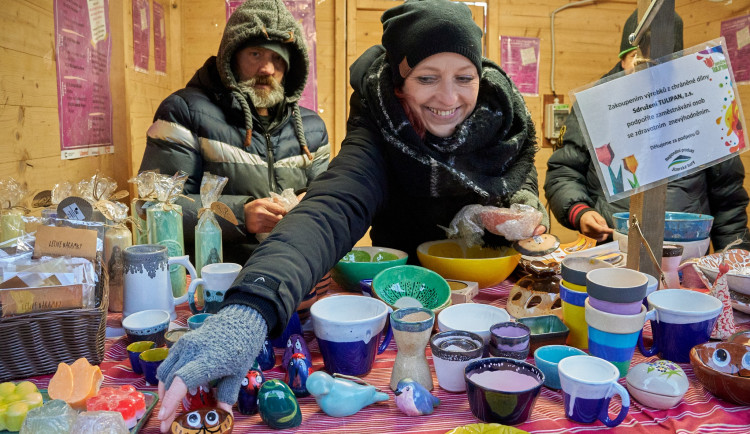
point(698, 412)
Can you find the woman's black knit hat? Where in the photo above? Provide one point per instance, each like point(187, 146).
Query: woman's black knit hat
point(417, 29)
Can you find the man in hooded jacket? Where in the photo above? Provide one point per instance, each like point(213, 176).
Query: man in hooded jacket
point(239, 117)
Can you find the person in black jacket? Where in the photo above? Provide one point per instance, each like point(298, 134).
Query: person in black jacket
point(433, 127)
point(239, 117)
point(577, 200)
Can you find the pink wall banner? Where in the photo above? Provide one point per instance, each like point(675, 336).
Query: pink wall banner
point(160, 40)
point(83, 48)
point(141, 29)
point(520, 59)
point(304, 12)
point(737, 34)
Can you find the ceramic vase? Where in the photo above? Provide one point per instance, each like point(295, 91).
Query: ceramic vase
point(165, 228)
point(116, 239)
point(411, 330)
point(670, 262)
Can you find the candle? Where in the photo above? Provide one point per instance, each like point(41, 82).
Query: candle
point(116, 239)
point(165, 228)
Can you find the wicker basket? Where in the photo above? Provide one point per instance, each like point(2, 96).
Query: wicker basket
point(35, 343)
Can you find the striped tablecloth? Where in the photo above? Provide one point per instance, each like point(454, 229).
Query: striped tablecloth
point(698, 412)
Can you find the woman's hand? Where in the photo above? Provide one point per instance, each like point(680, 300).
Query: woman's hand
point(593, 225)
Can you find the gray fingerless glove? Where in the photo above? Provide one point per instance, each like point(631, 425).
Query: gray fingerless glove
point(526, 197)
point(223, 349)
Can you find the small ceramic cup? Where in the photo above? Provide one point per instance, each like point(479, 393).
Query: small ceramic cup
point(614, 337)
point(547, 358)
point(588, 385)
point(197, 320)
point(510, 339)
point(134, 351)
point(150, 361)
point(451, 352)
point(172, 336)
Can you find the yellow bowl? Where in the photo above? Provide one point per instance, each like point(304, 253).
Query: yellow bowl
point(452, 260)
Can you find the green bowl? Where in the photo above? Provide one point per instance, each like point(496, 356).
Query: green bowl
point(364, 263)
point(411, 286)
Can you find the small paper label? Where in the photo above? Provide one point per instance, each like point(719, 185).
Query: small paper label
point(75, 208)
point(223, 211)
point(65, 241)
point(40, 299)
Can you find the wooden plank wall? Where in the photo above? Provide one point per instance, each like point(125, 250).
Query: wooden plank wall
point(587, 40)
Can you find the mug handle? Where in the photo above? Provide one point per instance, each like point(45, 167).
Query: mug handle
point(604, 412)
point(191, 295)
point(388, 334)
point(650, 315)
point(185, 262)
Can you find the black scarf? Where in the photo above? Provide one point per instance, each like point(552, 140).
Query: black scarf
point(490, 153)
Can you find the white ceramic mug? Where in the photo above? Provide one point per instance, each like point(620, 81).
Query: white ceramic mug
point(216, 280)
point(146, 281)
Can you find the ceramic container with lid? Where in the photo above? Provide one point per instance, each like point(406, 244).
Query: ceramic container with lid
point(659, 384)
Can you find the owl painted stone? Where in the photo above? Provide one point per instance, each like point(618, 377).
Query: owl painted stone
point(295, 344)
point(247, 400)
point(204, 421)
point(298, 370)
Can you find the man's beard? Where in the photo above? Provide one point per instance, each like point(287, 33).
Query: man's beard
point(263, 98)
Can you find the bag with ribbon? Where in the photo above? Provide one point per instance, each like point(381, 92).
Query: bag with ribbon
point(208, 244)
point(12, 224)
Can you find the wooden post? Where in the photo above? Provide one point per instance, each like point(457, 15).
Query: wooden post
point(649, 206)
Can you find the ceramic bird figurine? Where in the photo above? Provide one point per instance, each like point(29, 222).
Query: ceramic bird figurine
point(247, 400)
point(338, 397)
point(277, 405)
point(267, 358)
point(297, 372)
point(295, 344)
point(413, 399)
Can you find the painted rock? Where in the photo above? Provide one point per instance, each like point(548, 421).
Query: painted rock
point(201, 397)
point(267, 358)
point(204, 420)
point(295, 344)
point(298, 370)
point(247, 400)
point(277, 405)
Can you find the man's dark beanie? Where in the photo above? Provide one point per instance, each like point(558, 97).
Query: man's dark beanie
point(632, 23)
point(417, 29)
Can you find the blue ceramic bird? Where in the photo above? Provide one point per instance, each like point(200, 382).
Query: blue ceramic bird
point(295, 344)
point(413, 399)
point(297, 372)
point(247, 400)
point(267, 358)
point(338, 397)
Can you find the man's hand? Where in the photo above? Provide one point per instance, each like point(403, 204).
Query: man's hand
point(593, 225)
point(261, 215)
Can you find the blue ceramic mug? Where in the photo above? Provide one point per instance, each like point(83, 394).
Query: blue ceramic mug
point(588, 385)
point(613, 337)
point(680, 320)
point(348, 329)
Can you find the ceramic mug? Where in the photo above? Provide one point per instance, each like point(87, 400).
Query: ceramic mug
point(680, 319)
point(613, 337)
point(588, 385)
point(348, 328)
point(216, 280)
point(510, 339)
point(147, 283)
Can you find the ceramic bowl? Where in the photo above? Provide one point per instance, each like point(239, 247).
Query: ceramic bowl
point(545, 330)
point(724, 369)
point(364, 263)
point(411, 286)
point(546, 359)
point(502, 390)
point(573, 270)
point(678, 226)
point(659, 384)
point(147, 325)
point(617, 285)
point(197, 320)
point(510, 339)
point(471, 317)
point(738, 277)
point(452, 260)
point(172, 336)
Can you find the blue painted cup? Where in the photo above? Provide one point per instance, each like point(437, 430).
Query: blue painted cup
point(150, 361)
point(588, 385)
point(546, 359)
point(680, 319)
point(613, 337)
point(348, 329)
point(134, 351)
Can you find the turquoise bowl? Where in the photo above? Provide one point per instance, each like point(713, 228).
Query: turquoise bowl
point(411, 286)
point(364, 263)
point(678, 226)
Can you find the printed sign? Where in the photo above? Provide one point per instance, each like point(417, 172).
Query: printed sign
point(661, 123)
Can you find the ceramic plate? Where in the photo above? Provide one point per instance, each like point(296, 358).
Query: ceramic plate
point(151, 399)
point(486, 428)
point(738, 277)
